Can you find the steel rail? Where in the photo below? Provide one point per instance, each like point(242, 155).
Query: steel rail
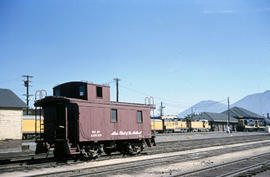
point(230, 174)
point(170, 147)
point(126, 166)
point(249, 169)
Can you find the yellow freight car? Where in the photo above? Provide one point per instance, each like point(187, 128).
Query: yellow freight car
point(169, 125)
point(251, 125)
point(181, 126)
point(29, 127)
point(156, 125)
point(175, 125)
point(260, 124)
point(200, 126)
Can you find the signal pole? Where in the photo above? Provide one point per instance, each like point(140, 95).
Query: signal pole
point(26, 84)
point(117, 88)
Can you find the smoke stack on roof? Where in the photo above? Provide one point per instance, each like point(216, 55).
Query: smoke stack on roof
point(268, 115)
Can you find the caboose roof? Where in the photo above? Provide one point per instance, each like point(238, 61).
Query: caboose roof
point(65, 99)
point(81, 82)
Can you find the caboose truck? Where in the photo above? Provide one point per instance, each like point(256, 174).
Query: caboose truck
point(80, 120)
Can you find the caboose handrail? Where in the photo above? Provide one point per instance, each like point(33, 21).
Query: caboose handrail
point(40, 92)
point(149, 100)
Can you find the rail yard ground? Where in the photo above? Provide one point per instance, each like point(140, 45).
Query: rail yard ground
point(191, 154)
point(201, 135)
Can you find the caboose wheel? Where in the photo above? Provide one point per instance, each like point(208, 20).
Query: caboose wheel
point(107, 151)
point(134, 148)
point(91, 152)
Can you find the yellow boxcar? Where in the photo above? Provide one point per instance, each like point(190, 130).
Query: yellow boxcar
point(156, 125)
point(28, 127)
point(181, 126)
point(174, 125)
point(170, 125)
point(200, 126)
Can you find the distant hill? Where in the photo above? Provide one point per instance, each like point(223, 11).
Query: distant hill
point(258, 103)
point(204, 106)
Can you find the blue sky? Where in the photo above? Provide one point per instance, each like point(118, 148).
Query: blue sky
point(178, 51)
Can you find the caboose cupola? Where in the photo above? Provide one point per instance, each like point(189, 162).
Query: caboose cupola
point(84, 91)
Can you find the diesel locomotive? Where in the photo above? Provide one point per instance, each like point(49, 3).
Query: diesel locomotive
point(176, 125)
point(80, 120)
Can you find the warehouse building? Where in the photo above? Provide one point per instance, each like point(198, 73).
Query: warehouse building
point(218, 121)
point(11, 112)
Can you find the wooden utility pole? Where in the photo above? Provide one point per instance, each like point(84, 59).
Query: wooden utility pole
point(26, 84)
point(161, 109)
point(228, 119)
point(161, 114)
point(117, 89)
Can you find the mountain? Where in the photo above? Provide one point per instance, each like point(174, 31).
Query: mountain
point(258, 103)
point(204, 106)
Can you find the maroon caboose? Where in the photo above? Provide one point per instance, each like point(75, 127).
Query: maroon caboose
point(80, 119)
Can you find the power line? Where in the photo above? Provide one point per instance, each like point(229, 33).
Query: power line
point(168, 101)
point(145, 94)
point(9, 80)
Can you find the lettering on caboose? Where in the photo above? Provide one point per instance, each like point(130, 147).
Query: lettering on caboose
point(96, 133)
point(126, 133)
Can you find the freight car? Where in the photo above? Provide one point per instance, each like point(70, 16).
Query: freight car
point(157, 125)
point(200, 126)
point(177, 125)
point(80, 120)
point(251, 125)
point(30, 126)
point(261, 125)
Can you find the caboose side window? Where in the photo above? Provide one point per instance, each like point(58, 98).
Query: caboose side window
point(139, 116)
point(99, 92)
point(114, 115)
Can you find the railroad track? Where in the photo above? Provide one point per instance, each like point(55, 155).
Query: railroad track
point(131, 167)
point(250, 170)
point(238, 168)
point(181, 145)
point(202, 143)
point(29, 164)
